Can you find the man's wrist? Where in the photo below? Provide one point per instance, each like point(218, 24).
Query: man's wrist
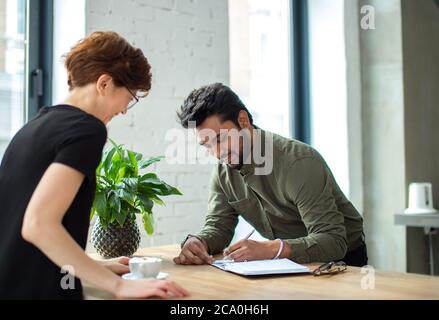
point(273, 247)
point(286, 251)
point(191, 236)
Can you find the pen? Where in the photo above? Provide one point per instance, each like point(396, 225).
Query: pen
point(245, 238)
point(249, 235)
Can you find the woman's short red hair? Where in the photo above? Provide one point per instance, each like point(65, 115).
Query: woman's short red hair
point(108, 53)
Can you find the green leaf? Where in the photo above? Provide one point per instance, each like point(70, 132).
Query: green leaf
point(115, 145)
point(134, 163)
point(148, 223)
point(99, 168)
point(113, 217)
point(128, 197)
point(108, 160)
point(100, 202)
point(149, 177)
point(139, 156)
point(121, 173)
point(167, 190)
point(131, 183)
point(161, 188)
point(147, 162)
point(157, 200)
point(146, 203)
point(114, 202)
point(115, 166)
point(120, 217)
point(105, 179)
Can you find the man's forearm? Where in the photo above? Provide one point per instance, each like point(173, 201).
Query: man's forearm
point(215, 240)
point(317, 248)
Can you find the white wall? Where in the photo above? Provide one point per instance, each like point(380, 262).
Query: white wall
point(186, 42)
point(383, 135)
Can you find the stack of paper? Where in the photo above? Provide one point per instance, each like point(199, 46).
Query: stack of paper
point(261, 267)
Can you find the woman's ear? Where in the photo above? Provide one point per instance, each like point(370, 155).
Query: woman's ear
point(103, 83)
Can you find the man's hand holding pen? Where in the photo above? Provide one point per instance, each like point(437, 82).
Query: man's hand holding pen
point(248, 250)
point(195, 251)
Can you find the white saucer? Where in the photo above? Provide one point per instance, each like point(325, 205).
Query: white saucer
point(160, 276)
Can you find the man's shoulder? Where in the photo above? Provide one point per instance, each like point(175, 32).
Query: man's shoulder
point(288, 150)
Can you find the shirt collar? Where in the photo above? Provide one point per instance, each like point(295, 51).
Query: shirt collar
point(248, 168)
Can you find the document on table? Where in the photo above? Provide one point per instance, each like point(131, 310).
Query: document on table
point(261, 267)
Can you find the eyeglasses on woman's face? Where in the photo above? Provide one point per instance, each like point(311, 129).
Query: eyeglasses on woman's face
point(133, 101)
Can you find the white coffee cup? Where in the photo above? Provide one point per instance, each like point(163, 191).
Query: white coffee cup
point(145, 267)
point(420, 198)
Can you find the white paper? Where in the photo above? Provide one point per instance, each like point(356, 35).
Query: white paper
point(261, 267)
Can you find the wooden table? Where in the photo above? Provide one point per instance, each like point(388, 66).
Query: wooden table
point(207, 282)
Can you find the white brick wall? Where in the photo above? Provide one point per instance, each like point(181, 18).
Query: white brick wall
point(186, 42)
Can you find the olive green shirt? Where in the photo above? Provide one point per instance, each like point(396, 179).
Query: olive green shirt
point(299, 202)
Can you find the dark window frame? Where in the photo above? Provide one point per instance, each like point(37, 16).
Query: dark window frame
point(40, 55)
point(300, 75)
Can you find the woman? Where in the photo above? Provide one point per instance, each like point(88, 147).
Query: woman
point(47, 180)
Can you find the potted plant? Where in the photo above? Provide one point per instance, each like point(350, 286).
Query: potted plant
point(122, 192)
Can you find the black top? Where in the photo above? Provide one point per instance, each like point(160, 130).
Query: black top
point(61, 134)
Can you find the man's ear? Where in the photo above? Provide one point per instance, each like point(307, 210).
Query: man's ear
point(103, 83)
point(244, 120)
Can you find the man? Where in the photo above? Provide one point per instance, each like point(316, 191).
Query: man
point(296, 203)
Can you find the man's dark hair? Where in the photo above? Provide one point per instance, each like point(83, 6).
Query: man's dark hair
point(214, 99)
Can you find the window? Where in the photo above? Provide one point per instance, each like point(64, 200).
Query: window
point(25, 56)
point(34, 34)
point(12, 69)
point(259, 60)
point(328, 88)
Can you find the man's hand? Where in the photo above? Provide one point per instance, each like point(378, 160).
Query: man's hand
point(194, 251)
point(118, 266)
point(247, 250)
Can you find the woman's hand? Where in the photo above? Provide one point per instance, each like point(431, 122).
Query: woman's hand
point(138, 289)
point(118, 266)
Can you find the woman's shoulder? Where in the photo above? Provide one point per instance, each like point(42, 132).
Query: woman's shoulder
point(71, 119)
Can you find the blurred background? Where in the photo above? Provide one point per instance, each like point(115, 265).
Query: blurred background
point(356, 79)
